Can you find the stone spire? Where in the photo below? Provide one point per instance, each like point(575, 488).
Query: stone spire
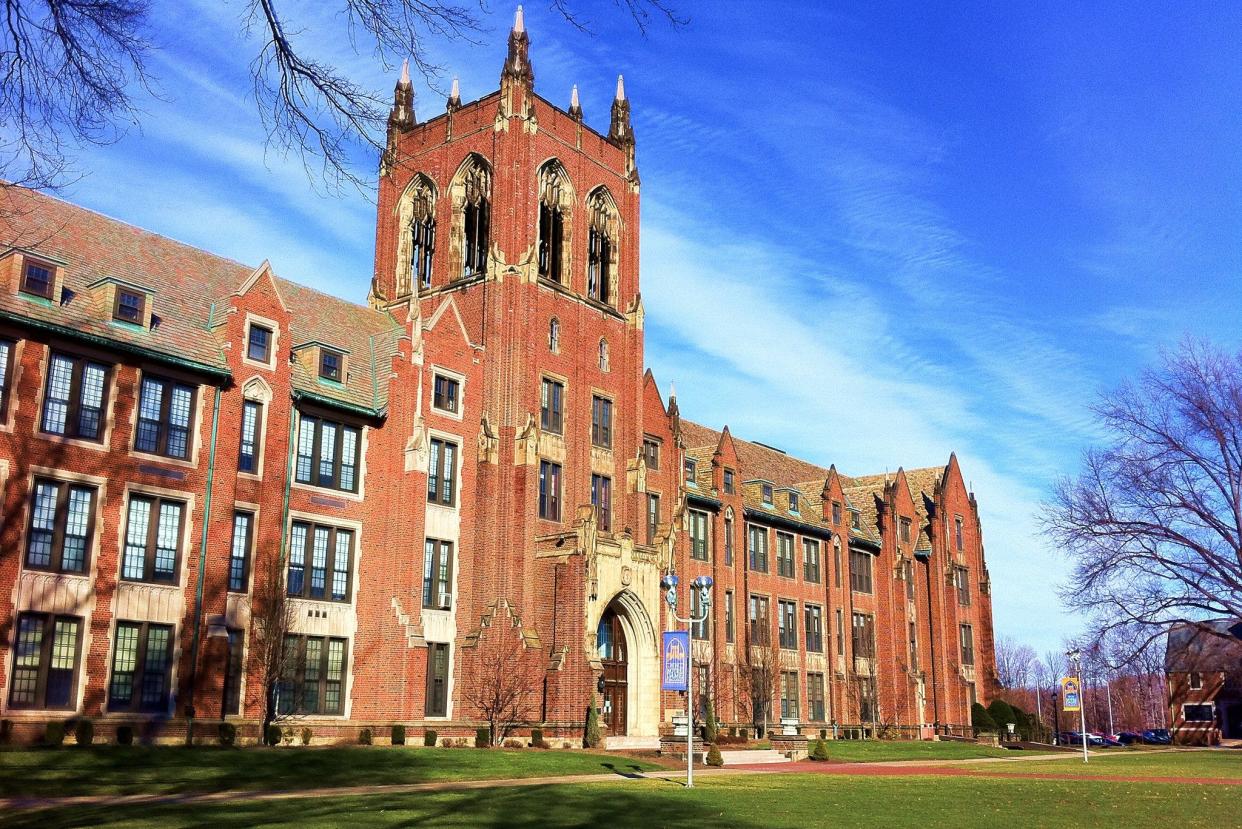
point(402, 116)
point(620, 131)
point(454, 98)
point(575, 108)
point(517, 64)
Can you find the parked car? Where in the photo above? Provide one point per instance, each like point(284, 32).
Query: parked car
point(1102, 741)
point(1130, 738)
point(1157, 736)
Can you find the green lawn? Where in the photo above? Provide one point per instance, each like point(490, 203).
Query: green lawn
point(1186, 763)
point(161, 770)
point(874, 751)
point(741, 802)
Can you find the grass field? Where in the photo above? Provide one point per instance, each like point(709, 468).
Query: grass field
point(1186, 763)
point(876, 751)
point(170, 769)
point(740, 802)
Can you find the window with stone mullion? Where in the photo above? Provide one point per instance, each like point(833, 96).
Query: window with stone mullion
point(165, 410)
point(74, 398)
point(152, 539)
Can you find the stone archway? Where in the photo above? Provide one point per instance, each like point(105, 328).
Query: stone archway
point(641, 661)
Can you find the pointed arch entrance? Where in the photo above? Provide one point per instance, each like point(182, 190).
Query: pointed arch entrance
point(626, 653)
point(614, 656)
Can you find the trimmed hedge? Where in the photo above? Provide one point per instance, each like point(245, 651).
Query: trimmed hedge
point(54, 733)
point(820, 752)
point(981, 719)
point(713, 756)
point(398, 735)
point(430, 738)
point(226, 734)
point(364, 737)
point(272, 735)
point(482, 737)
point(84, 733)
point(125, 735)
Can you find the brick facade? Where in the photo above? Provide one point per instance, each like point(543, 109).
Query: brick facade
point(460, 427)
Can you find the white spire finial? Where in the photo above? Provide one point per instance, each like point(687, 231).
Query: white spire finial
point(672, 390)
point(620, 88)
point(455, 92)
point(405, 71)
point(519, 23)
point(573, 97)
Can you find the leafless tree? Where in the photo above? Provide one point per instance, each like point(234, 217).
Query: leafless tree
point(501, 680)
point(68, 69)
point(762, 679)
point(72, 72)
point(1153, 523)
point(271, 620)
point(1016, 663)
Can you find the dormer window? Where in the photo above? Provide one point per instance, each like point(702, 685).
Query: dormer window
point(766, 492)
point(793, 502)
point(330, 364)
point(691, 469)
point(903, 530)
point(259, 344)
point(38, 279)
point(836, 512)
point(855, 520)
point(728, 481)
point(129, 306)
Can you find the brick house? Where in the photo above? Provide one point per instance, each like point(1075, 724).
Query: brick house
point(1203, 664)
point(475, 456)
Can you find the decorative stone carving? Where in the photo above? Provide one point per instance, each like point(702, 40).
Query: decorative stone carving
point(489, 443)
point(636, 473)
point(416, 447)
point(526, 444)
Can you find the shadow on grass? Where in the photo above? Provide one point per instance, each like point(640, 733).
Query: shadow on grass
point(532, 807)
point(177, 770)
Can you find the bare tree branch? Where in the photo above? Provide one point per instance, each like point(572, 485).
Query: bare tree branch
point(70, 71)
point(1153, 523)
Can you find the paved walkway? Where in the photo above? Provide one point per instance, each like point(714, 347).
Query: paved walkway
point(895, 768)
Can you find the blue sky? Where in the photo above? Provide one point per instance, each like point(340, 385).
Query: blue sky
point(873, 233)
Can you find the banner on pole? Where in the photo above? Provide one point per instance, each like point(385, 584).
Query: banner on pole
point(1071, 694)
point(676, 661)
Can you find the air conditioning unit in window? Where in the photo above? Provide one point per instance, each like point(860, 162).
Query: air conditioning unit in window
point(446, 601)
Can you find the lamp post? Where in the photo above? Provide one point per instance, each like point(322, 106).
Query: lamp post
point(703, 584)
point(1075, 658)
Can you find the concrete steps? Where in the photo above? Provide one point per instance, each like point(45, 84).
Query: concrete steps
point(748, 757)
point(620, 743)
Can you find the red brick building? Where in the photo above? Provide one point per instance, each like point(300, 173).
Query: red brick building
point(476, 458)
point(1203, 665)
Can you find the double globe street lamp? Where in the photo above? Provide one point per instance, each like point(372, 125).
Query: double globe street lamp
point(703, 586)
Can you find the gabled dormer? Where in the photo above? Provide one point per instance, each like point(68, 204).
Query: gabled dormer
point(126, 302)
point(327, 363)
point(32, 275)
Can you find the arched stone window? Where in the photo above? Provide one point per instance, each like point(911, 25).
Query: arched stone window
point(603, 355)
point(472, 215)
point(555, 205)
point(601, 246)
point(416, 214)
point(554, 336)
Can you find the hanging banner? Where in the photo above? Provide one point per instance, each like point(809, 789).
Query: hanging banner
point(1071, 694)
point(676, 661)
